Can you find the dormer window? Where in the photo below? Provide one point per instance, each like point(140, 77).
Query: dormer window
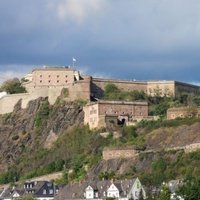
point(50, 191)
point(44, 191)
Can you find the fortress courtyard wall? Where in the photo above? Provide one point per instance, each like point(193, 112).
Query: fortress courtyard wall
point(98, 86)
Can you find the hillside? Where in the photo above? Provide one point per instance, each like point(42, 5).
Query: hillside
point(42, 139)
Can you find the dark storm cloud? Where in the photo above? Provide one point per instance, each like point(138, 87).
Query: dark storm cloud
point(131, 39)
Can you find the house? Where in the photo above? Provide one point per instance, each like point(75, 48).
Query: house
point(99, 190)
point(40, 190)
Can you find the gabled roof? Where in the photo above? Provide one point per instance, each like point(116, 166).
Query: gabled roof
point(77, 190)
point(35, 190)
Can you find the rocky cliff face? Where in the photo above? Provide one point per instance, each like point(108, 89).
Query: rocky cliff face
point(27, 137)
point(34, 126)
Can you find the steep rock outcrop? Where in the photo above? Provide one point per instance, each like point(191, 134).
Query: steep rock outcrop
point(19, 131)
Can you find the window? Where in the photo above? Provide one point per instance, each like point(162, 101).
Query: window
point(40, 81)
point(49, 81)
point(50, 191)
point(49, 76)
point(44, 191)
point(57, 76)
point(40, 75)
point(96, 194)
point(57, 81)
point(138, 185)
point(65, 76)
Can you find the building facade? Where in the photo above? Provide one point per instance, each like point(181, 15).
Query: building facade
point(96, 113)
point(39, 190)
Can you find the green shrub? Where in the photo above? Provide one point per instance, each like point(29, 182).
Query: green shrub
point(12, 86)
point(108, 175)
point(42, 114)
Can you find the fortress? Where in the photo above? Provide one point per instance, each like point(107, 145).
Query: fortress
point(50, 81)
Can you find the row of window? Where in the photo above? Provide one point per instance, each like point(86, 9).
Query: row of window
point(56, 81)
point(131, 113)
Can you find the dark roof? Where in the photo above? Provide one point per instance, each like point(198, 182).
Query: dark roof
point(77, 190)
point(33, 188)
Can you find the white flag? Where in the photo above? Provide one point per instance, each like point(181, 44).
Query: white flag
point(74, 60)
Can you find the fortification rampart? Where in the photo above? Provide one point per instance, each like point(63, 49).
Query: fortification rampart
point(186, 88)
point(161, 88)
point(8, 102)
point(109, 154)
point(98, 86)
point(192, 147)
point(80, 89)
point(182, 112)
point(77, 90)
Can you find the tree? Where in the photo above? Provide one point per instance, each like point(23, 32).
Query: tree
point(190, 190)
point(12, 86)
point(164, 194)
point(111, 92)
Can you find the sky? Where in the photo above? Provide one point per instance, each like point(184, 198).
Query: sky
point(123, 39)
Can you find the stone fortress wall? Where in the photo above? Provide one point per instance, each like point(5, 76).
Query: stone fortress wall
point(98, 86)
point(109, 154)
point(182, 112)
point(130, 152)
point(8, 102)
point(49, 82)
point(151, 88)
